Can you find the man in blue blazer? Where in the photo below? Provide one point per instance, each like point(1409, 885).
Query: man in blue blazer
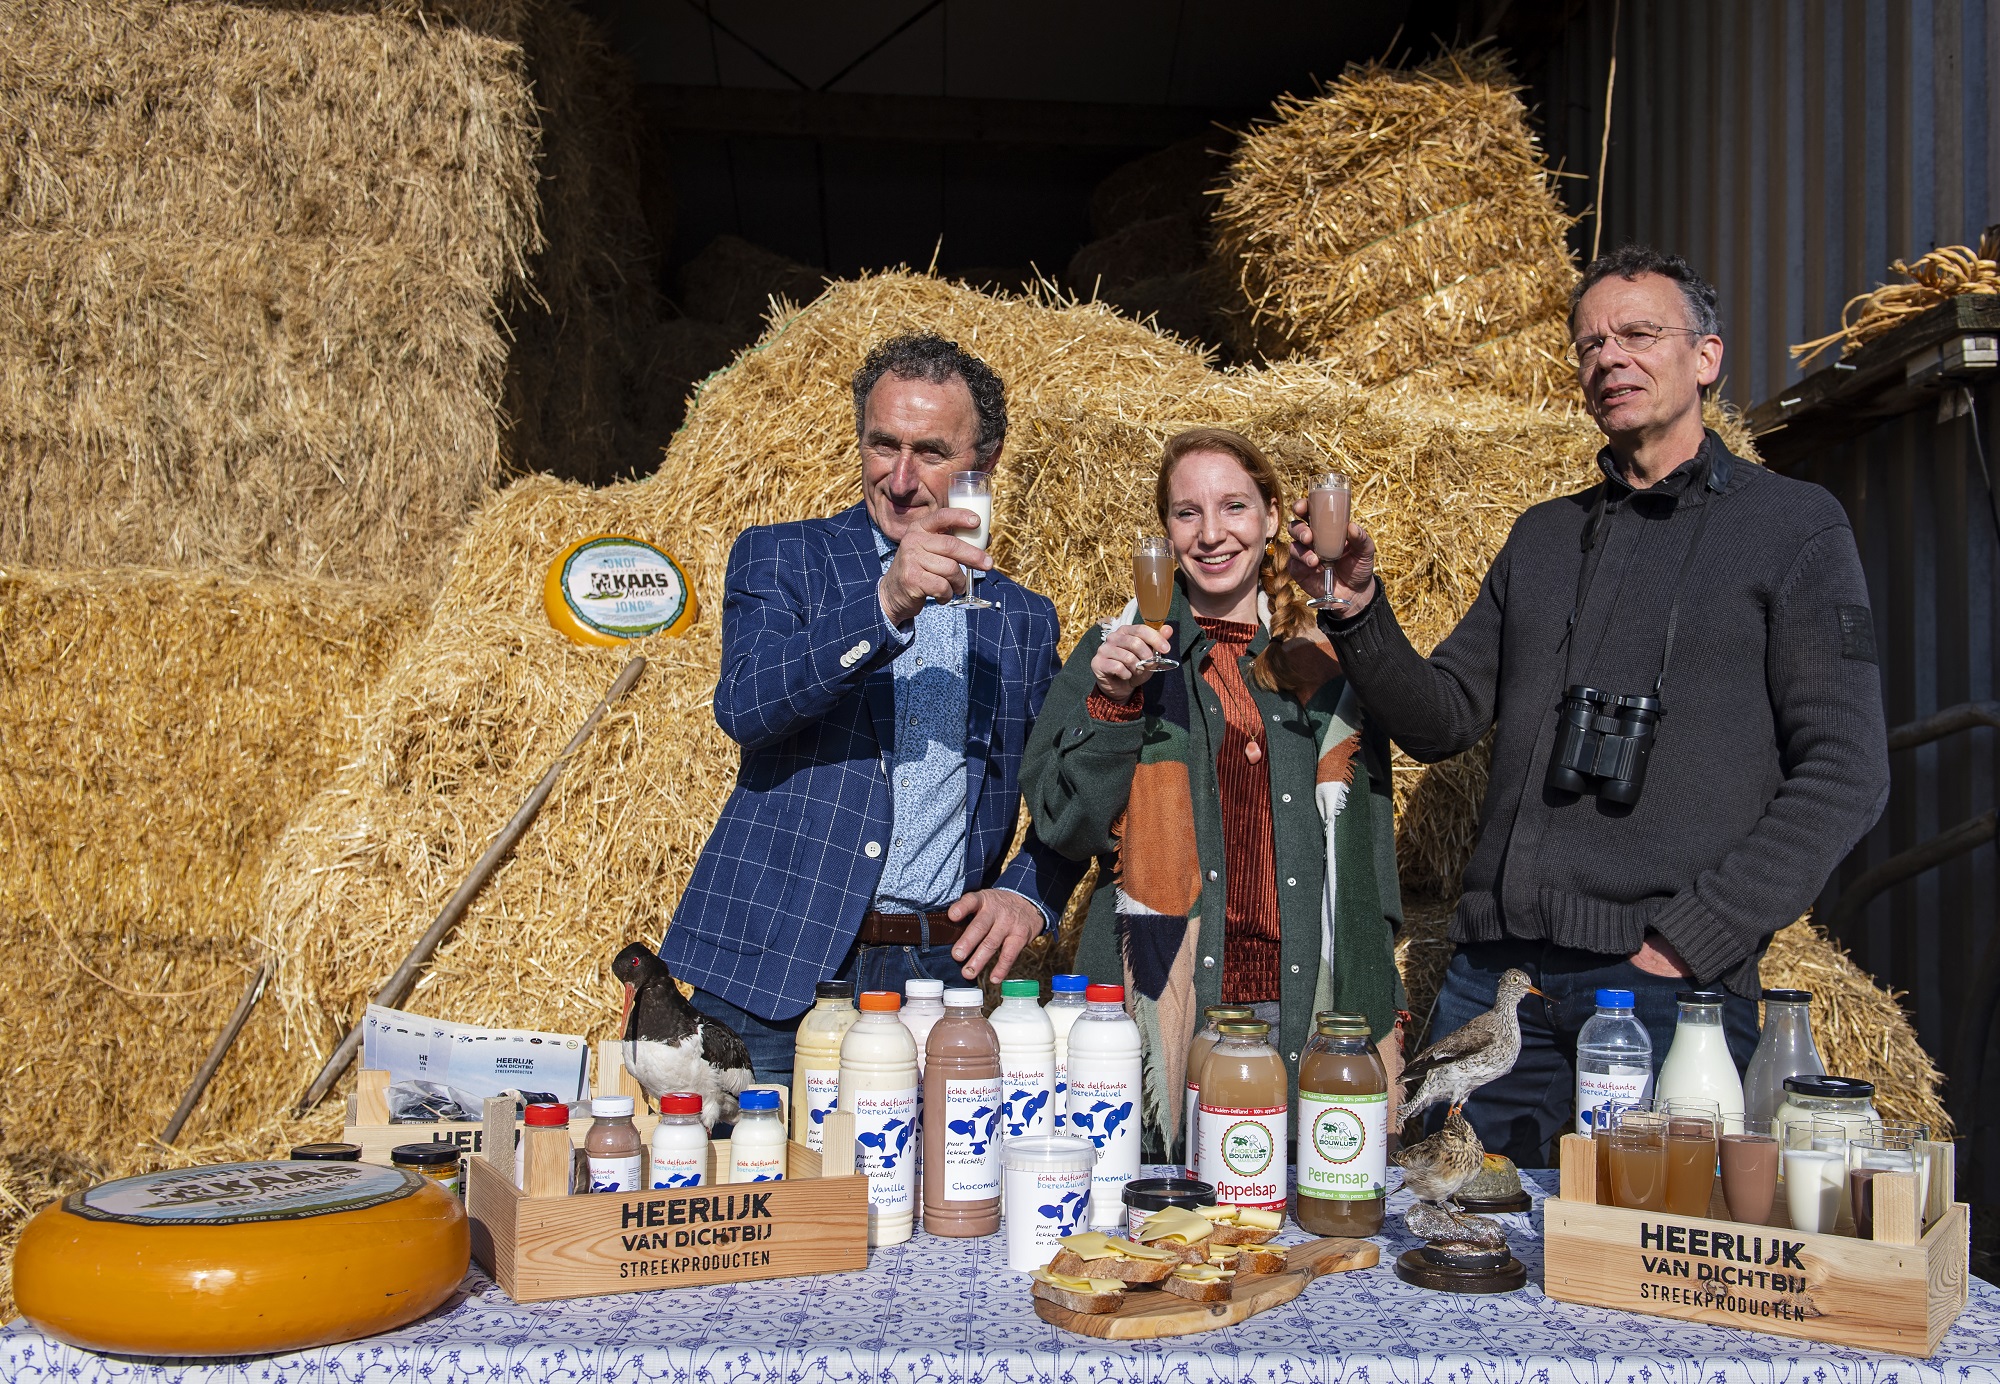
point(882, 730)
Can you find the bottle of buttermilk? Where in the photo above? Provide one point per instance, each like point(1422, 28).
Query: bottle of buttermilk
point(1106, 1076)
point(1244, 1104)
point(1343, 1130)
point(1027, 1059)
point(878, 1084)
point(1198, 1051)
point(961, 1127)
point(816, 1060)
point(1064, 1008)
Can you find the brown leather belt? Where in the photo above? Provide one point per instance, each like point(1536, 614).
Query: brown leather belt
point(907, 929)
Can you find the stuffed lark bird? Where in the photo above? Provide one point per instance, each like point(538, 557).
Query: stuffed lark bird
point(1460, 1063)
point(669, 1046)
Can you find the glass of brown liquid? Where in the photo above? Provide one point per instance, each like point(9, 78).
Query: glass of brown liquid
point(1750, 1171)
point(1601, 1118)
point(1153, 568)
point(1639, 1160)
point(1328, 506)
point(1872, 1151)
point(1691, 1129)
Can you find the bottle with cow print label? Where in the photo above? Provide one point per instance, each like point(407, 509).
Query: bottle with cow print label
point(1027, 1060)
point(878, 1084)
point(961, 1125)
point(1105, 1076)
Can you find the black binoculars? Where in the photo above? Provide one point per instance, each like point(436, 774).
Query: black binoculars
point(1602, 743)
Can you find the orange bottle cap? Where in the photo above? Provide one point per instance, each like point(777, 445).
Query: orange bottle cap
point(880, 1002)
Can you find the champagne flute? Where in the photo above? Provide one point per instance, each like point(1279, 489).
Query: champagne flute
point(972, 490)
point(1329, 505)
point(1153, 579)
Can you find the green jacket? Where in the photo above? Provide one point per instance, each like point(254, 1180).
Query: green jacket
point(1077, 777)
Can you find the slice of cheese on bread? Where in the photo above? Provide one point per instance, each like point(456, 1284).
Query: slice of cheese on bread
point(1078, 1294)
point(1179, 1230)
point(1200, 1282)
point(1093, 1254)
point(1242, 1225)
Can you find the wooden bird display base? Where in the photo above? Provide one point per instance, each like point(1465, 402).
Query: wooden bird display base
point(1147, 1314)
point(1417, 1267)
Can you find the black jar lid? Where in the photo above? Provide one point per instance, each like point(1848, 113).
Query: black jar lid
point(1158, 1193)
point(1831, 1087)
point(425, 1155)
point(1789, 996)
point(327, 1153)
point(1700, 996)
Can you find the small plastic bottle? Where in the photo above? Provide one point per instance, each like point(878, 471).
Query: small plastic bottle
point(816, 1060)
point(1027, 1060)
point(1785, 1049)
point(680, 1143)
point(923, 1006)
point(616, 1152)
point(1106, 1076)
point(757, 1145)
point(544, 1158)
point(1614, 1057)
point(1064, 1008)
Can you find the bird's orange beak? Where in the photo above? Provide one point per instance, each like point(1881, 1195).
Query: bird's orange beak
point(1531, 990)
point(625, 1014)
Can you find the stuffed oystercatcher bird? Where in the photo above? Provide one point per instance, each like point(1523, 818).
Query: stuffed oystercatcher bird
point(670, 1046)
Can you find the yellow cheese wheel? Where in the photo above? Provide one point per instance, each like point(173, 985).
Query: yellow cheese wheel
point(610, 588)
point(241, 1258)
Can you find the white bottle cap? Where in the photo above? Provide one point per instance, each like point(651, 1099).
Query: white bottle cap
point(927, 989)
point(610, 1106)
point(959, 999)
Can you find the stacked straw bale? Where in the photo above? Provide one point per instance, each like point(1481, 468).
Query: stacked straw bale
point(160, 728)
point(1402, 221)
point(256, 264)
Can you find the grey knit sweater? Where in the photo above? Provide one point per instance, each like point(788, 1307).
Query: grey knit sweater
point(1771, 758)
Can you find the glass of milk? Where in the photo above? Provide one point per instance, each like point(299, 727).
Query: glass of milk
point(972, 490)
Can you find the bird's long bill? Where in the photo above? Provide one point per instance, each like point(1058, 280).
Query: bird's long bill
point(625, 1014)
point(1531, 990)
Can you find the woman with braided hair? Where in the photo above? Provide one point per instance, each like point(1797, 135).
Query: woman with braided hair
point(1238, 806)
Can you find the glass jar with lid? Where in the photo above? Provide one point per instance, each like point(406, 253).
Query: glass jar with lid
point(1845, 1100)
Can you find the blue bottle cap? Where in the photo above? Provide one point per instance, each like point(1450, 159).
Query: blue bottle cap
point(1065, 983)
point(758, 1100)
point(1614, 999)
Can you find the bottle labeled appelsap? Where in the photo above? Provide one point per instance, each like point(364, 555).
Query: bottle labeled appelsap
point(1202, 1045)
point(1343, 1130)
point(1243, 1118)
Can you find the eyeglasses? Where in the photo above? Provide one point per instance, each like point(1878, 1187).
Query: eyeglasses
point(1634, 340)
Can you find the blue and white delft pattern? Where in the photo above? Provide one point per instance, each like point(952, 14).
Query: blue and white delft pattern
point(936, 1311)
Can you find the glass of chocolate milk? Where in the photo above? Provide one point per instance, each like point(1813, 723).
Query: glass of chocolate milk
point(961, 1128)
point(1750, 1172)
point(1153, 580)
point(1328, 506)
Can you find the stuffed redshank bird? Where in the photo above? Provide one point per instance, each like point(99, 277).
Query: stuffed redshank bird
point(1460, 1063)
point(671, 1046)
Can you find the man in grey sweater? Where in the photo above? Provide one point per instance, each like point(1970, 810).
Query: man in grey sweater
point(1732, 595)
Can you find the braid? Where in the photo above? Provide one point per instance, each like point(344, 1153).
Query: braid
point(1291, 617)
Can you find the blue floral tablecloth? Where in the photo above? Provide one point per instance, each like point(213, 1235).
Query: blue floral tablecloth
point(936, 1311)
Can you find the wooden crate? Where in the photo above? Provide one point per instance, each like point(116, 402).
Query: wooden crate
point(1898, 1293)
point(542, 1248)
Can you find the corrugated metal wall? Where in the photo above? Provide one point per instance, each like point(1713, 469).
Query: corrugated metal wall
point(1791, 149)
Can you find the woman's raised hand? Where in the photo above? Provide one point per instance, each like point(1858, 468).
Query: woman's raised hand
point(1116, 663)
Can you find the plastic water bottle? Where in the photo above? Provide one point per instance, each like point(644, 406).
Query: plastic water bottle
point(1064, 1008)
point(1027, 1060)
point(1106, 1075)
point(1614, 1057)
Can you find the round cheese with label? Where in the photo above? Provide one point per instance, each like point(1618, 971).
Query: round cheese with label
point(241, 1258)
point(611, 588)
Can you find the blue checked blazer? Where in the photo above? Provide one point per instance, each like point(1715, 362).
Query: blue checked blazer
point(807, 690)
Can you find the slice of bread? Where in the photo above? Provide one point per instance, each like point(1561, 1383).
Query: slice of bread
point(1197, 1290)
point(1111, 1266)
point(1095, 1304)
point(1242, 1235)
point(1259, 1259)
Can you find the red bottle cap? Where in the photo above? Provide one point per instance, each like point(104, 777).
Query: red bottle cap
point(1104, 994)
point(544, 1116)
point(680, 1103)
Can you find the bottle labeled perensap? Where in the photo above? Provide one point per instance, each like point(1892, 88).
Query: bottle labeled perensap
point(680, 1143)
point(961, 1127)
point(1343, 1130)
point(1614, 1058)
point(878, 1085)
point(1064, 1008)
point(1106, 1083)
point(1243, 1121)
point(1027, 1060)
point(816, 1060)
point(757, 1145)
point(1198, 1050)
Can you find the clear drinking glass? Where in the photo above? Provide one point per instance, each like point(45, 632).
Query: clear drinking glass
point(1328, 506)
point(1750, 1171)
point(972, 490)
point(1153, 569)
point(1639, 1160)
point(1692, 1124)
point(1886, 1148)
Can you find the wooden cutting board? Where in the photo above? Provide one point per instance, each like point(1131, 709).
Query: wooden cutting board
point(1148, 1313)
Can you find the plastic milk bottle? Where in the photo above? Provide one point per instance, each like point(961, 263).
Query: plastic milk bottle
point(816, 1065)
point(1064, 1008)
point(757, 1145)
point(1105, 1076)
point(878, 1084)
point(1027, 1060)
point(680, 1143)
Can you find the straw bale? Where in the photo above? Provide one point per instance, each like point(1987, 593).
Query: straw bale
point(1173, 181)
point(1143, 250)
point(161, 728)
point(1397, 217)
point(732, 283)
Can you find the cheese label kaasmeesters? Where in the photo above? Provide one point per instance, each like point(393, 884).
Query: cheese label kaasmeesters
point(610, 588)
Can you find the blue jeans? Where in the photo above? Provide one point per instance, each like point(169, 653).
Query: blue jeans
point(1522, 1113)
point(772, 1041)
